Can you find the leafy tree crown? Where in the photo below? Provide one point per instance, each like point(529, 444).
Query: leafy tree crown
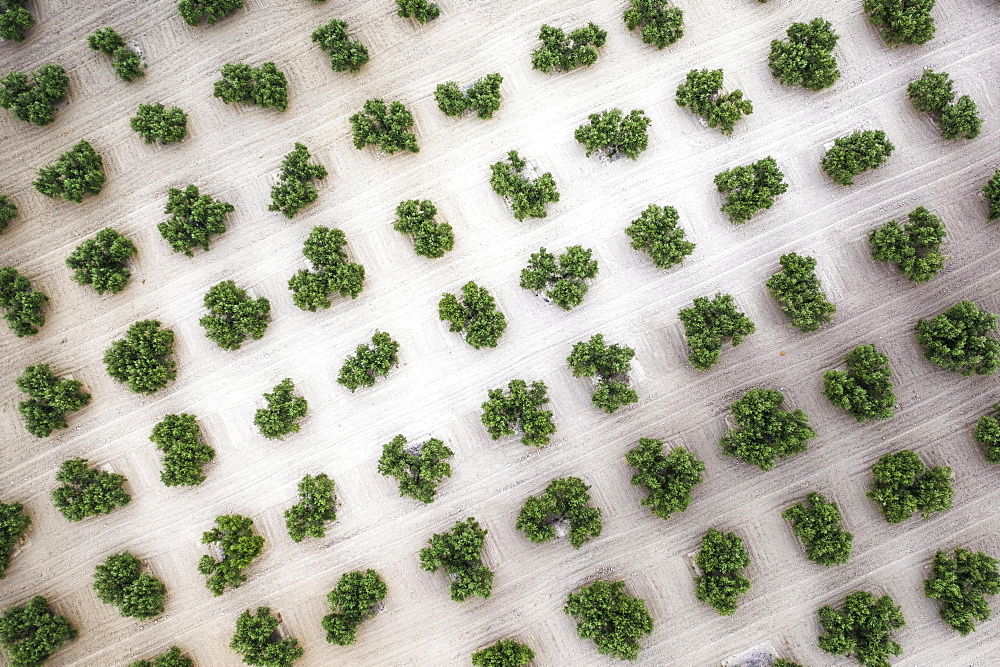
point(865, 390)
point(234, 316)
point(750, 188)
point(563, 278)
point(669, 478)
point(902, 21)
point(418, 468)
point(817, 523)
point(612, 134)
point(155, 122)
point(798, 292)
point(332, 271)
point(33, 98)
point(185, 453)
point(419, 10)
point(565, 501)
point(143, 359)
point(21, 302)
point(102, 261)
point(120, 581)
point(504, 653)
point(701, 93)
point(656, 233)
point(987, 434)
point(459, 553)
point(49, 399)
point(707, 323)
point(315, 508)
point(519, 408)
point(957, 340)
point(765, 432)
point(915, 247)
point(358, 596)
point(78, 172)
point(903, 485)
point(195, 12)
point(431, 239)
point(562, 52)
point(369, 362)
point(346, 54)
point(172, 658)
point(609, 365)
point(195, 218)
point(238, 545)
point(526, 196)
point(264, 86)
point(14, 524)
point(257, 641)
point(661, 24)
point(87, 491)
point(612, 618)
point(476, 316)
point(15, 20)
point(721, 559)
point(284, 410)
point(8, 211)
point(387, 127)
point(960, 584)
point(295, 189)
point(863, 628)
point(856, 153)
point(806, 59)
point(31, 633)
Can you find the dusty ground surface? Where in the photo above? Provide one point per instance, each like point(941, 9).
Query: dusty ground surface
point(233, 152)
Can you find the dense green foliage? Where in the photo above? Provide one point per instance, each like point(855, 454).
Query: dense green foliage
point(282, 413)
point(611, 617)
point(701, 93)
point(707, 323)
point(264, 86)
point(563, 503)
point(858, 152)
point(239, 545)
point(417, 468)
point(475, 315)
point(863, 629)
point(960, 584)
point(504, 653)
point(987, 434)
point(458, 552)
point(195, 218)
point(655, 232)
point(103, 261)
point(14, 524)
point(961, 120)
point(21, 302)
point(563, 278)
point(257, 640)
point(527, 196)
point(172, 658)
point(419, 10)
point(956, 340)
point(126, 62)
point(806, 59)
point(356, 598)
point(120, 581)
point(669, 478)
point(609, 365)
point(346, 54)
point(87, 491)
point(483, 97)
point(560, 51)
point(8, 211)
point(30, 634)
point(295, 189)
point(750, 188)
point(781, 662)
point(903, 485)
point(369, 362)
point(184, 452)
point(721, 560)
point(817, 524)
point(661, 24)
point(612, 135)
point(332, 272)
point(519, 409)
point(194, 12)
point(797, 290)
point(915, 247)
point(77, 172)
point(387, 128)
point(992, 193)
point(234, 316)
point(49, 399)
point(902, 21)
point(932, 92)
point(14, 20)
point(316, 506)
point(430, 238)
point(865, 389)
point(142, 359)
point(33, 98)
point(765, 431)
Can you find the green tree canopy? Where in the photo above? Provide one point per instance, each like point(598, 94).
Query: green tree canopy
point(526, 196)
point(611, 134)
point(520, 409)
point(656, 233)
point(563, 278)
point(961, 120)
point(369, 362)
point(21, 302)
point(14, 524)
point(127, 64)
point(103, 261)
point(87, 491)
point(987, 434)
point(77, 172)
point(195, 218)
point(932, 92)
point(669, 478)
point(750, 188)
point(31, 633)
point(799, 294)
point(701, 93)
point(430, 238)
point(865, 389)
point(257, 640)
point(960, 584)
point(195, 12)
point(184, 451)
point(264, 86)
point(475, 316)
point(49, 399)
point(234, 316)
point(346, 54)
point(15, 20)
point(956, 340)
point(661, 24)
point(863, 629)
point(143, 359)
point(357, 597)
point(721, 559)
point(992, 193)
point(609, 365)
point(237, 543)
point(172, 658)
point(503, 653)
point(317, 506)
point(902, 21)
point(612, 618)
point(120, 581)
point(459, 553)
point(817, 523)
point(564, 503)
point(418, 468)
point(915, 247)
point(33, 98)
point(858, 152)
point(765, 432)
point(419, 10)
point(282, 413)
point(781, 662)
point(707, 323)
point(483, 97)
point(386, 127)
point(903, 485)
point(806, 59)
point(562, 52)
point(332, 271)
point(295, 189)
point(8, 211)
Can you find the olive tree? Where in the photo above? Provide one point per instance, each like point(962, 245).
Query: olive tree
point(234, 316)
point(612, 618)
point(858, 152)
point(295, 189)
point(562, 52)
point(932, 92)
point(143, 359)
point(961, 120)
point(482, 96)
point(960, 584)
point(194, 219)
point(78, 172)
point(418, 467)
point(258, 642)
point(386, 127)
point(661, 23)
point(49, 399)
point(184, 451)
point(195, 12)
point(520, 409)
point(357, 597)
point(914, 247)
point(656, 233)
point(865, 389)
point(332, 271)
point(806, 59)
point(527, 196)
point(707, 323)
point(957, 340)
point(563, 279)
point(102, 261)
point(765, 432)
point(346, 54)
point(701, 93)
point(903, 485)
point(419, 10)
point(31, 633)
point(721, 561)
point(475, 316)
point(430, 238)
point(612, 135)
point(902, 22)
point(283, 411)
point(863, 629)
point(564, 504)
point(127, 64)
point(14, 524)
point(8, 211)
point(609, 366)
point(987, 434)
point(369, 362)
point(459, 553)
point(22, 304)
point(237, 545)
point(503, 653)
point(750, 188)
point(991, 191)
point(15, 20)
point(87, 491)
point(264, 86)
point(172, 658)
point(33, 98)
point(316, 507)
point(669, 478)
point(817, 523)
point(799, 294)
point(120, 581)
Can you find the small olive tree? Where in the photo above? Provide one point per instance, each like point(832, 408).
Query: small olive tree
point(283, 411)
point(49, 399)
point(750, 188)
point(143, 360)
point(194, 219)
point(563, 279)
point(701, 93)
point(858, 152)
point(78, 172)
point(520, 408)
point(611, 134)
point(609, 365)
point(102, 262)
point(387, 127)
point(527, 196)
point(295, 189)
point(369, 362)
point(332, 271)
point(415, 218)
point(475, 316)
point(346, 54)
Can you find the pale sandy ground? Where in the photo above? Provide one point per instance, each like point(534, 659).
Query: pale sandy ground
point(233, 153)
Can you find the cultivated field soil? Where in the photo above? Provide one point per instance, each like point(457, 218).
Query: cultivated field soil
point(233, 152)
